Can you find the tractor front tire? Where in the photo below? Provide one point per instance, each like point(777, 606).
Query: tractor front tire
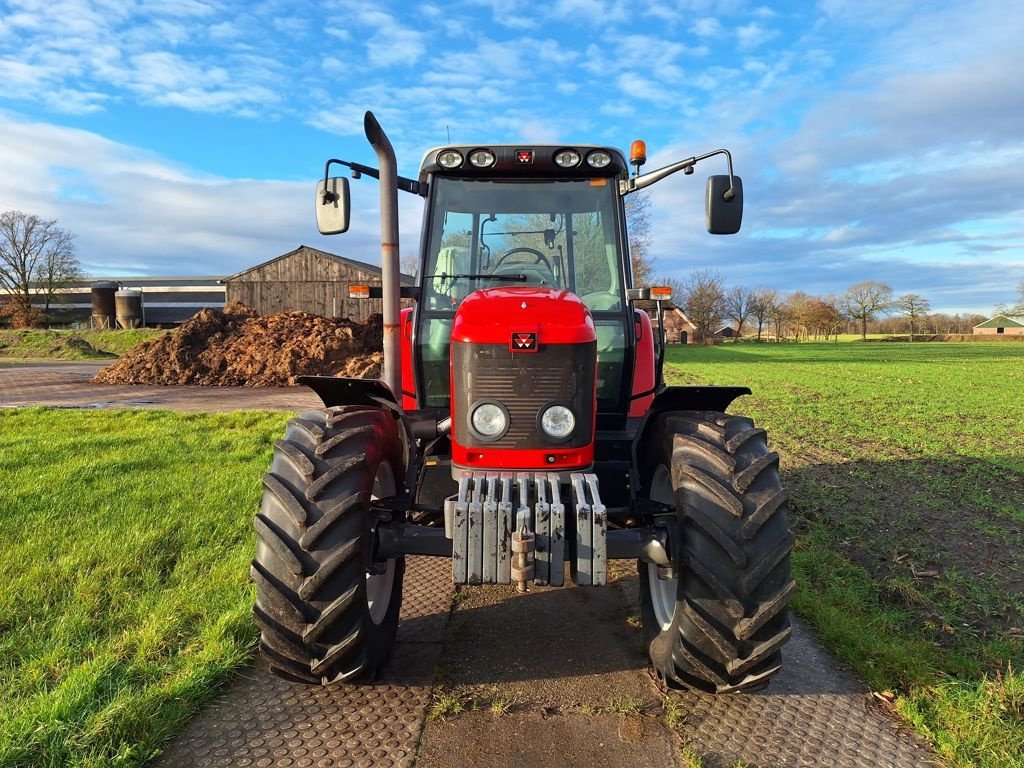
point(326, 612)
point(719, 623)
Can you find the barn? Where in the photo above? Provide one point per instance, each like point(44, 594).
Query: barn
point(309, 280)
point(1000, 324)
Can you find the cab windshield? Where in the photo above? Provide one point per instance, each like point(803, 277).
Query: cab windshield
point(558, 234)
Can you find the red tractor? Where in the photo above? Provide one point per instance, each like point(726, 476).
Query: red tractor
point(523, 423)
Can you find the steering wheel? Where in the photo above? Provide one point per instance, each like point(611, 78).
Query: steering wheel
point(540, 258)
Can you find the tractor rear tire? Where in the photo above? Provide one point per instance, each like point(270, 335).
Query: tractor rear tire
point(326, 612)
point(719, 624)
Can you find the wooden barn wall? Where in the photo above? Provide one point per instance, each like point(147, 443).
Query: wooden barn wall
point(307, 282)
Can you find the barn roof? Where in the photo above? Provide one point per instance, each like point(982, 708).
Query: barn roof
point(360, 265)
point(1001, 321)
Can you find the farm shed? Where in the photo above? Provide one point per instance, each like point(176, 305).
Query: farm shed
point(1000, 324)
point(678, 327)
point(309, 280)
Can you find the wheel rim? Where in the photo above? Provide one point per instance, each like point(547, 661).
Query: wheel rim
point(379, 585)
point(663, 591)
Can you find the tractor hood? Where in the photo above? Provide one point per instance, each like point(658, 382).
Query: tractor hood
point(498, 315)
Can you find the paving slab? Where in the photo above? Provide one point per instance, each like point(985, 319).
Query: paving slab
point(69, 385)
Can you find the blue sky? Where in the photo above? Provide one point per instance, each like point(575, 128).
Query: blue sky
point(876, 139)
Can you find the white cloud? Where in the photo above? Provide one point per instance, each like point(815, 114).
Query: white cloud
point(391, 43)
point(707, 26)
point(752, 35)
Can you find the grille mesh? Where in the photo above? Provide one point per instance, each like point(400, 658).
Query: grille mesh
point(524, 383)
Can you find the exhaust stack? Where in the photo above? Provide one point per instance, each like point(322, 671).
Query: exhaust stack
point(389, 258)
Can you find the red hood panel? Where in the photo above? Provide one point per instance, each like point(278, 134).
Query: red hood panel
point(490, 316)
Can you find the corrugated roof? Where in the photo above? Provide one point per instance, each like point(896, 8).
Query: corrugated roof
point(1001, 321)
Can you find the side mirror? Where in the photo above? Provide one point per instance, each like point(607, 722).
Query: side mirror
point(724, 216)
point(332, 206)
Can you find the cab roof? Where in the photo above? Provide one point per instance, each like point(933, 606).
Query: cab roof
point(523, 160)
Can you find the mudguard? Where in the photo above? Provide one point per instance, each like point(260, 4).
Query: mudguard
point(335, 390)
point(695, 399)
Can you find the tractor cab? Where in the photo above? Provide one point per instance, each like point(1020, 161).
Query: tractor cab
point(524, 219)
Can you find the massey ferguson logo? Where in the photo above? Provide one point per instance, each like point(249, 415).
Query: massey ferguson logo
point(524, 341)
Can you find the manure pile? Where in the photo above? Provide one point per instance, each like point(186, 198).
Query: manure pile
point(236, 347)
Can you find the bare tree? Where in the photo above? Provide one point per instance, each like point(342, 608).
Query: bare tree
point(738, 307)
point(912, 306)
point(33, 252)
point(703, 300)
point(865, 300)
point(763, 303)
point(1012, 310)
point(638, 224)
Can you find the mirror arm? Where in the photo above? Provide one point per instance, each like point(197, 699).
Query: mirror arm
point(639, 182)
point(358, 169)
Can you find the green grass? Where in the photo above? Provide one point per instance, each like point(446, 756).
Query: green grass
point(906, 465)
point(124, 600)
point(72, 345)
point(447, 704)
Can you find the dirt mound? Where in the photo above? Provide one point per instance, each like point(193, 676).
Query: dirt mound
point(236, 347)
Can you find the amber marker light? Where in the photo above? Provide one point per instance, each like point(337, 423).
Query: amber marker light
point(638, 153)
point(661, 293)
point(359, 292)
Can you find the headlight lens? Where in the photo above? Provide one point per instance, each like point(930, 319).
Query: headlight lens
point(489, 419)
point(557, 421)
point(481, 158)
point(449, 159)
point(568, 158)
point(599, 159)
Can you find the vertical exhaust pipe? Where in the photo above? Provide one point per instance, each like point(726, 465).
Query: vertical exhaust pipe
point(389, 259)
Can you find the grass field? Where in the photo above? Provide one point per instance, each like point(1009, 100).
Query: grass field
point(124, 595)
point(906, 465)
point(72, 345)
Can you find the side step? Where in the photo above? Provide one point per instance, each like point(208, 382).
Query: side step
point(514, 523)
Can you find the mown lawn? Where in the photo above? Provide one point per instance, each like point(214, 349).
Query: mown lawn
point(72, 345)
point(125, 539)
point(906, 465)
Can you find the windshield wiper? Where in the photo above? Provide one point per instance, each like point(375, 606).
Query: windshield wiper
point(500, 278)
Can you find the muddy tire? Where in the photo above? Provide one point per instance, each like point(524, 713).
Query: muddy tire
point(720, 624)
point(326, 612)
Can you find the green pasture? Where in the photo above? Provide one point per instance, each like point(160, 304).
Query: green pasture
point(124, 596)
point(906, 467)
point(72, 345)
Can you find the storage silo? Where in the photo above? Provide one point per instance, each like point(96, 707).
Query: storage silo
point(130, 312)
point(103, 305)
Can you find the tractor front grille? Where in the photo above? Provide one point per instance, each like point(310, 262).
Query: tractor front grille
point(524, 382)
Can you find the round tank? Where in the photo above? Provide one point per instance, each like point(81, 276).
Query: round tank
point(103, 305)
point(129, 308)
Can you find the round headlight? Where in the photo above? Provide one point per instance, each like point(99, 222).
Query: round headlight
point(489, 419)
point(449, 158)
point(568, 158)
point(481, 158)
point(599, 159)
point(557, 421)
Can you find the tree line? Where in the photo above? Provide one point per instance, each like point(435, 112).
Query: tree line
point(766, 314)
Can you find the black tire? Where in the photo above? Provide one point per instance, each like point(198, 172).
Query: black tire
point(314, 550)
point(720, 624)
